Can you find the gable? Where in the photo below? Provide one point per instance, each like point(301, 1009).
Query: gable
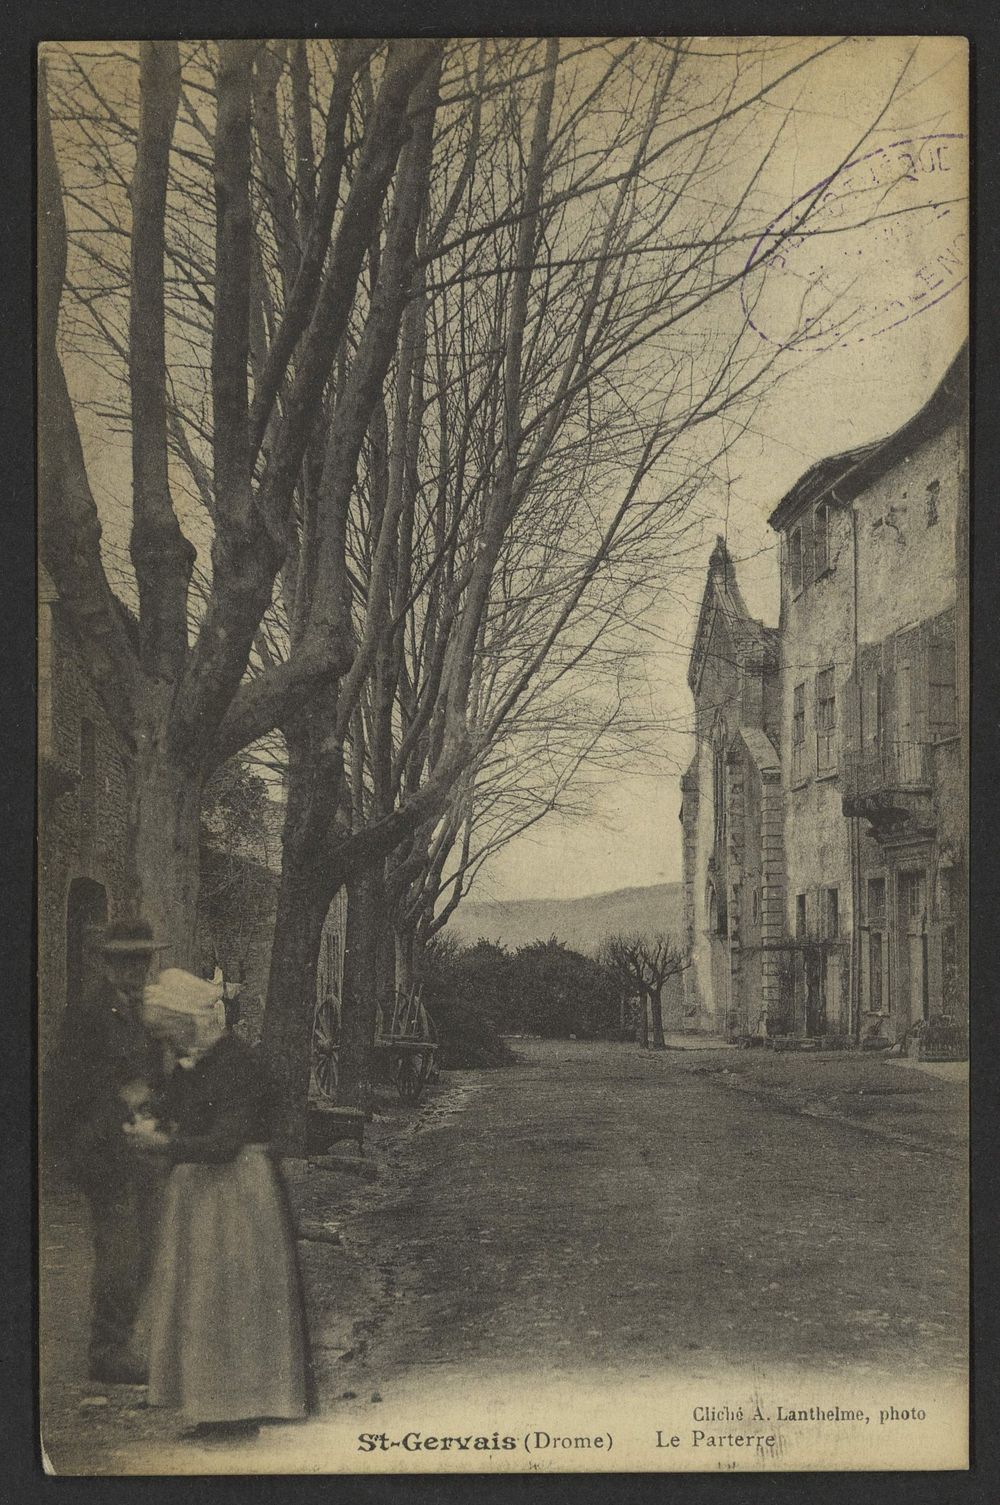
point(726, 631)
point(713, 661)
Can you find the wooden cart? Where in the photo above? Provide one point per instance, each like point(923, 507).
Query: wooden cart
point(408, 1046)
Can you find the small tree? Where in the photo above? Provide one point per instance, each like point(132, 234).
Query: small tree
point(644, 963)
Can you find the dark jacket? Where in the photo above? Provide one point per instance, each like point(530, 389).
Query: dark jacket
point(219, 1105)
point(102, 1049)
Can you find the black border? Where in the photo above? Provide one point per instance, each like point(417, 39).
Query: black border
point(22, 27)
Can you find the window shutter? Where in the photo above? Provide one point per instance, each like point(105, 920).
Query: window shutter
point(871, 682)
point(888, 716)
point(847, 711)
point(921, 678)
point(821, 543)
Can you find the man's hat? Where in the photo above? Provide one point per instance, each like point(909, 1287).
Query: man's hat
point(130, 938)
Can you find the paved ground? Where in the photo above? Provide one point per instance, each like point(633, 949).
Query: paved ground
point(594, 1207)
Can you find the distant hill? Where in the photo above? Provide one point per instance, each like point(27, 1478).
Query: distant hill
point(580, 923)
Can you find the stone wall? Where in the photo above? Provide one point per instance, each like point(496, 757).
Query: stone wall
point(83, 810)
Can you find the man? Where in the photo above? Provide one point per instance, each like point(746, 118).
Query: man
point(109, 1063)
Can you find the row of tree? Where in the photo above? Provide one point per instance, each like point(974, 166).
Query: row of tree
point(412, 347)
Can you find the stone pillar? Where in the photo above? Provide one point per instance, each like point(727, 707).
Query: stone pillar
point(735, 1021)
point(772, 908)
point(693, 999)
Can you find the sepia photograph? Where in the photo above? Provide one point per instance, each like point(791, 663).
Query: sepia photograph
point(503, 755)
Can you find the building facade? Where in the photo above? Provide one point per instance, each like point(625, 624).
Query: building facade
point(873, 730)
point(731, 811)
point(83, 809)
point(825, 812)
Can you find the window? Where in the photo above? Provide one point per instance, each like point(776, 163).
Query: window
point(795, 560)
point(876, 901)
point(904, 699)
point(800, 917)
point(941, 710)
point(832, 913)
point(871, 703)
point(933, 489)
point(798, 734)
point(826, 722)
point(911, 893)
point(821, 540)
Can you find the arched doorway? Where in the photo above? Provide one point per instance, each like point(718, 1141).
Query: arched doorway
point(86, 917)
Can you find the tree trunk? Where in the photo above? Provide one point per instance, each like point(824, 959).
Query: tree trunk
point(310, 879)
point(164, 823)
point(288, 1014)
point(360, 995)
point(385, 956)
point(642, 1013)
point(656, 1009)
point(406, 971)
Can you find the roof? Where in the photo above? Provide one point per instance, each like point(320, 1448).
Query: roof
point(850, 473)
point(723, 596)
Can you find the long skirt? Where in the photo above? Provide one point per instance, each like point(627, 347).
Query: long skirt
point(226, 1333)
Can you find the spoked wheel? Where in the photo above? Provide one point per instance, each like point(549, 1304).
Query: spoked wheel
point(325, 1072)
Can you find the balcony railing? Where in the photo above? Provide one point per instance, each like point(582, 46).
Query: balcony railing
point(881, 782)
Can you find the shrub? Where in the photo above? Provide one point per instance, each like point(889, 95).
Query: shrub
point(463, 992)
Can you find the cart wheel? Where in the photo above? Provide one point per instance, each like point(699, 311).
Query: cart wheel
point(325, 1072)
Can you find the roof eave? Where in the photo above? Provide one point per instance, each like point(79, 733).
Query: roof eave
point(848, 474)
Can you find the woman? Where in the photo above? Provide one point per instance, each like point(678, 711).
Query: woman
point(226, 1335)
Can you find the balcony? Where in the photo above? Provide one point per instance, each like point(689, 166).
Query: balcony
point(889, 785)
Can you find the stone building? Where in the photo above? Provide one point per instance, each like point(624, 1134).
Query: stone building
point(83, 810)
point(83, 794)
point(731, 813)
point(873, 632)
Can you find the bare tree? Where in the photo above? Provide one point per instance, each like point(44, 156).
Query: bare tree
point(464, 389)
point(181, 702)
point(644, 963)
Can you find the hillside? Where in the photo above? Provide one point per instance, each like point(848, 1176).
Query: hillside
point(580, 923)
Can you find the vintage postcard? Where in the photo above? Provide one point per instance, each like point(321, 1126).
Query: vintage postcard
point(503, 755)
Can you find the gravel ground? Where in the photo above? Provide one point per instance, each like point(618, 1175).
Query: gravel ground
point(595, 1207)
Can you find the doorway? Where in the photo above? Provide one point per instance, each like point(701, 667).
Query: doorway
point(912, 945)
point(86, 917)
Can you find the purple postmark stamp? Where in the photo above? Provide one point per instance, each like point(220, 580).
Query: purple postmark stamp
point(879, 242)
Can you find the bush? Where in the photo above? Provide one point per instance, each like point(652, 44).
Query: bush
point(478, 994)
point(556, 992)
point(464, 995)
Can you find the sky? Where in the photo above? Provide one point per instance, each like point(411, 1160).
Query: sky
point(873, 99)
point(854, 392)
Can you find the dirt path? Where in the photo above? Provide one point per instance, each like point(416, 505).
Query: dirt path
point(595, 1208)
